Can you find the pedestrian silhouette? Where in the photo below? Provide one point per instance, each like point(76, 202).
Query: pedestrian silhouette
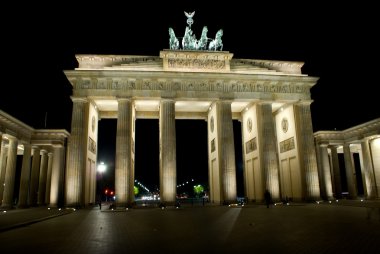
point(267, 198)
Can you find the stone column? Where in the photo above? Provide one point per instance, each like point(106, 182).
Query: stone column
point(3, 164)
point(10, 173)
point(34, 177)
point(336, 172)
point(226, 151)
point(326, 172)
point(268, 148)
point(42, 178)
point(367, 168)
point(123, 168)
point(76, 161)
point(48, 178)
point(350, 172)
point(25, 177)
point(57, 176)
point(168, 171)
point(306, 149)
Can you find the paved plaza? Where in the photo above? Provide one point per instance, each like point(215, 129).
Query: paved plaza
point(343, 227)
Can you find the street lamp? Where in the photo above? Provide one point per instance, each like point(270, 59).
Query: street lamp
point(101, 169)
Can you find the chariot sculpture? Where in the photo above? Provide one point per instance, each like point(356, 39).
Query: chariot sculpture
point(190, 42)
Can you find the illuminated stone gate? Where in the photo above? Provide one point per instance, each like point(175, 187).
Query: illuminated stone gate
point(270, 98)
point(196, 81)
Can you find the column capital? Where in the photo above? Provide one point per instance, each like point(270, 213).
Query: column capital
point(324, 144)
point(167, 99)
point(43, 151)
point(9, 137)
point(119, 99)
point(266, 102)
point(50, 154)
point(79, 99)
point(303, 102)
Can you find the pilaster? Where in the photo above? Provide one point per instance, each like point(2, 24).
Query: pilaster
point(326, 172)
point(268, 148)
point(3, 164)
point(34, 177)
point(25, 177)
point(48, 178)
point(307, 149)
point(76, 160)
point(42, 180)
point(351, 179)
point(168, 171)
point(10, 173)
point(57, 176)
point(226, 151)
point(123, 170)
point(336, 172)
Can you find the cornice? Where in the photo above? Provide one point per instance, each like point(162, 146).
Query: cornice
point(353, 134)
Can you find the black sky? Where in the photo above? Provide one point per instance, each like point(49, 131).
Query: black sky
point(336, 43)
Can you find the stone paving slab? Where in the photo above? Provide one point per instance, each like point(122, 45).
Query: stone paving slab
point(14, 218)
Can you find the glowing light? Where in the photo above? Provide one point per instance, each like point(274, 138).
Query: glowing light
point(48, 208)
point(102, 167)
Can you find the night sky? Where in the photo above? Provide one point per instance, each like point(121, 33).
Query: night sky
point(336, 43)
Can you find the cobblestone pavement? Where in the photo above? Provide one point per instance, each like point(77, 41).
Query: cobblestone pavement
point(336, 227)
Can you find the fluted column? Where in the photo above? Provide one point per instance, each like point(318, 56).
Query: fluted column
point(326, 172)
point(268, 149)
point(307, 149)
point(57, 176)
point(336, 172)
point(76, 161)
point(123, 169)
point(226, 150)
point(42, 178)
point(369, 177)
point(34, 177)
point(351, 179)
point(3, 164)
point(25, 177)
point(48, 178)
point(10, 173)
point(168, 171)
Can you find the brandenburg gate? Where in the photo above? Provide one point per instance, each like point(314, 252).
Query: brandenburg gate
point(271, 99)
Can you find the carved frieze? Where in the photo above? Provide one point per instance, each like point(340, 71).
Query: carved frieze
point(250, 145)
point(287, 145)
point(212, 85)
point(200, 61)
